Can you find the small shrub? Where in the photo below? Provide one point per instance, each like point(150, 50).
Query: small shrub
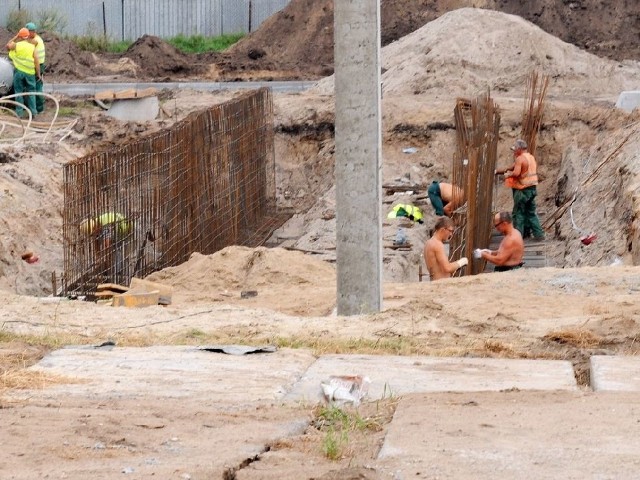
point(90, 43)
point(17, 19)
point(51, 20)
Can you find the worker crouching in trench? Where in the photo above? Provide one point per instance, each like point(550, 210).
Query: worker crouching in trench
point(109, 232)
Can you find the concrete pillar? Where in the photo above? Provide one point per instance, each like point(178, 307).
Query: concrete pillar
point(358, 156)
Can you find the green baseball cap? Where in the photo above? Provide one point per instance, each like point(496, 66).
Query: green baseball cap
point(31, 27)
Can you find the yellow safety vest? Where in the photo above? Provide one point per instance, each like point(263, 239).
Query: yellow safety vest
point(123, 225)
point(40, 48)
point(22, 57)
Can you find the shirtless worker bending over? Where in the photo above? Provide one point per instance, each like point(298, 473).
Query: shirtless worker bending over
point(511, 250)
point(435, 257)
point(445, 198)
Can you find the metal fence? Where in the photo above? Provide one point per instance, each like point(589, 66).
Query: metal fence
point(206, 183)
point(131, 19)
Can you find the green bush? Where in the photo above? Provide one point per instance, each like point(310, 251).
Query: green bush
point(51, 20)
point(17, 19)
point(98, 44)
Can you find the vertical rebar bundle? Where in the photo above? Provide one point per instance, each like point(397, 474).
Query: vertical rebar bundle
point(477, 128)
point(204, 184)
point(535, 93)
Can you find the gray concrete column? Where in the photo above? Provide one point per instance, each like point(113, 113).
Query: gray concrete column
point(358, 156)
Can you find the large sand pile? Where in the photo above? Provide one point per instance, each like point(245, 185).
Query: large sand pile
point(466, 51)
point(298, 284)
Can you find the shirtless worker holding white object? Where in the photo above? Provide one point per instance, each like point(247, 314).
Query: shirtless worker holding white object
point(435, 257)
point(511, 250)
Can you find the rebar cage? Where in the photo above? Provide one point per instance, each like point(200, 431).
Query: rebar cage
point(204, 184)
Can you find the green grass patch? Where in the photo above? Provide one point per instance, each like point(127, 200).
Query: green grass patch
point(201, 44)
point(99, 44)
point(338, 425)
point(191, 44)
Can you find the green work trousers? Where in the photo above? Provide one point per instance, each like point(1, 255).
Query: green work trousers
point(525, 218)
point(23, 82)
point(39, 88)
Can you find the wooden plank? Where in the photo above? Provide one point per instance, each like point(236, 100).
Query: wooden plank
point(106, 293)
point(147, 92)
point(140, 285)
point(104, 95)
point(404, 246)
point(142, 299)
point(125, 94)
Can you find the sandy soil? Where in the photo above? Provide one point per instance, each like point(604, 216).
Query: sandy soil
point(583, 304)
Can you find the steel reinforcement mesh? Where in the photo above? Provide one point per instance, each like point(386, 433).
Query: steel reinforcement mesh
point(204, 184)
point(477, 128)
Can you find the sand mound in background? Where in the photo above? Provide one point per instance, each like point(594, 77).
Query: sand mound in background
point(442, 59)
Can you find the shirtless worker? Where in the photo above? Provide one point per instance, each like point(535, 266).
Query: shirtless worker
point(445, 197)
point(511, 250)
point(435, 257)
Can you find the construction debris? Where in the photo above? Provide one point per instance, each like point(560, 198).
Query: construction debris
point(140, 293)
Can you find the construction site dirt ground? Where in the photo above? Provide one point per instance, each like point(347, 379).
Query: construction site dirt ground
point(584, 303)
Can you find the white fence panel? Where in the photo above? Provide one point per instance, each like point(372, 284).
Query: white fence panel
point(131, 19)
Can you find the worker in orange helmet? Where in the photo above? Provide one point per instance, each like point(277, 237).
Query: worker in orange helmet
point(22, 52)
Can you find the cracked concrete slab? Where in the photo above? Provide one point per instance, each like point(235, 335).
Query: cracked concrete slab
point(398, 375)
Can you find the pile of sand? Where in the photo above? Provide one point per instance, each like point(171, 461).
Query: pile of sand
point(466, 51)
point(289, 281)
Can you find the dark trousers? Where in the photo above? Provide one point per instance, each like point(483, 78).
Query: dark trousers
point(506, 268)
point(39, 88)
point(525, 218)
point(24, 82)
point(434, 197)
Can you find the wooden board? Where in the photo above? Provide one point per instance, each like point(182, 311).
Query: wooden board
point(144, 299)
point(125, 94)
point(140, 285)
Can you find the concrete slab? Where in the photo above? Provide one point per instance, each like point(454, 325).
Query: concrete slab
point(190, 372)
point(396, 375)
point(508, 435)
point(628, 101)
point(135, 109)
point(615, 373)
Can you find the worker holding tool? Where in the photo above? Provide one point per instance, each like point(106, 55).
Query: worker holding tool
point(511, 250)
point(522, 178)
point(26, 65)
point(435, 257)
point(40, 50)
point(445, 198)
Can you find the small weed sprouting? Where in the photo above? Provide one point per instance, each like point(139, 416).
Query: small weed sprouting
point(338, 424)
point(334, 443)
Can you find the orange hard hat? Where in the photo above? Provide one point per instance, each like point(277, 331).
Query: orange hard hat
point(23, 33)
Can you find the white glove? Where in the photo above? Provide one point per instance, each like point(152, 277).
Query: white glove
point(477, 253)
point(462, 262)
